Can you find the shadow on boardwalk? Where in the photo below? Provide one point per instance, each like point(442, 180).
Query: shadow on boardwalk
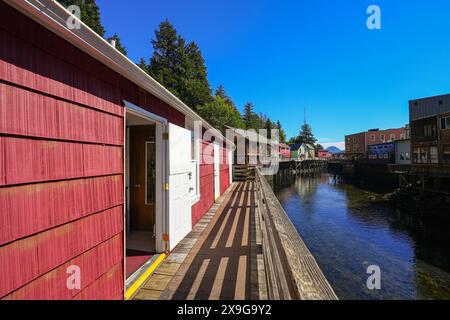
point(219, 266)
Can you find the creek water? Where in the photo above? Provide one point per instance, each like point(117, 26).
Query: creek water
point(348, 229)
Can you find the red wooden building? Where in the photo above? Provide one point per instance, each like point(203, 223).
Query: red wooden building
point(324, 154)
point(95, 158)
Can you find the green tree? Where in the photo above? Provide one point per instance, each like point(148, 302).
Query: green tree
point(251, 119)
point(90, 14)
point(179, 67)
point(282, 134)
point(319, 147)
point(119, 45)
point(219, 114)
point(306, 135)
point(143, 65)
point(220, 92)
point(269, 126)
point(262, 119)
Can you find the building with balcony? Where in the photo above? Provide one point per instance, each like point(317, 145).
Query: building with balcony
point(430, 135)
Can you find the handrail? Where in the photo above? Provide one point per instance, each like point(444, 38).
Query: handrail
point(291, 271)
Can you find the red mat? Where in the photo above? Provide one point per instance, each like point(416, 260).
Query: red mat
point(135, 259)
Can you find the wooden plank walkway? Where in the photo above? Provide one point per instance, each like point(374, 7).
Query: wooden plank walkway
point(221, 259)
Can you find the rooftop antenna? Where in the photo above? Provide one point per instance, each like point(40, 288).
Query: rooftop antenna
point(304, 114)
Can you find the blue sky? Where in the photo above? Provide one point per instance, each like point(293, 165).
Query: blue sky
point(287, 55)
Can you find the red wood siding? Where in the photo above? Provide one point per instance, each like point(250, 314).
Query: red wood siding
point(206, 185)
point(61, 164)
point(207, 182)
point(224, 170)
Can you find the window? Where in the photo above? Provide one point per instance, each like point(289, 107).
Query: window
point(434, 158)
point(423, 155)
point(372, 137)
point(416, 154)
point(383, 137)
point(354, 139)
point(402, 136)
point(405, 156)
point(194, 182)
point(393, 136)
point(445, 123)
point(429, 130)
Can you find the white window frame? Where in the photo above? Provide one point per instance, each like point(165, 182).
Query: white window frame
point(146, 173)
point(195, 194)
point(446, 122)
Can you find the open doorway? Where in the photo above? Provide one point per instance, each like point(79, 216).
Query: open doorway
point(141, 162)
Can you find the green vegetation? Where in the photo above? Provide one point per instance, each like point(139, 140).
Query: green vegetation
point(119, 45)
point(305, 136)
point(180, 67)
point(90, 15)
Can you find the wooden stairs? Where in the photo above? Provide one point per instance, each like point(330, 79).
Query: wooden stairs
point(243, 172)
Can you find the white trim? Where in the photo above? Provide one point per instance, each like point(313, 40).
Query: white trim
point(138, 111)
point(161, 197)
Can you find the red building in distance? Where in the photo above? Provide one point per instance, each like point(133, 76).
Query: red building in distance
point(358, 143)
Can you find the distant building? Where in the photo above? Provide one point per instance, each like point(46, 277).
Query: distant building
point(398, 152)
point(324, 154)
point(430, 135)
point(382, 151)
point(285, 151)
point(358, 143)
point(302, 151)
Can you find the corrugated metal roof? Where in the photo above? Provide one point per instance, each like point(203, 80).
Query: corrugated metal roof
point(429, 107)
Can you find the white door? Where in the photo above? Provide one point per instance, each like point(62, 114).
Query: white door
point(216, 171)
point(180, 216)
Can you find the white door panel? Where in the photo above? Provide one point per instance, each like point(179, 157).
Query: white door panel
point(179, 150)
point(180, 216)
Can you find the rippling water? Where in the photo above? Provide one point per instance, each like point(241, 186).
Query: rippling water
point(347, 230)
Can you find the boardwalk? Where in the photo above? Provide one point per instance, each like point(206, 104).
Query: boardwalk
point(220, 259)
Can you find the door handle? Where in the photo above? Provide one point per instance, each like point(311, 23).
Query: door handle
point(136, 186)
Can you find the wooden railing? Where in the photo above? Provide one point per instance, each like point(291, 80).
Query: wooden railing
point(291, 271)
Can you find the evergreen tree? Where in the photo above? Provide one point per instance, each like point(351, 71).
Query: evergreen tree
point(165, 55)
point(282, 134)
point(143, 65)
point(269, 126)
point(119, 45)
point(250, 118)
point(90, 13)
point(179, 67)
point(306, 135)
point(219, 114)
point(197, 90)
point(262, 119)
point(220, 92)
